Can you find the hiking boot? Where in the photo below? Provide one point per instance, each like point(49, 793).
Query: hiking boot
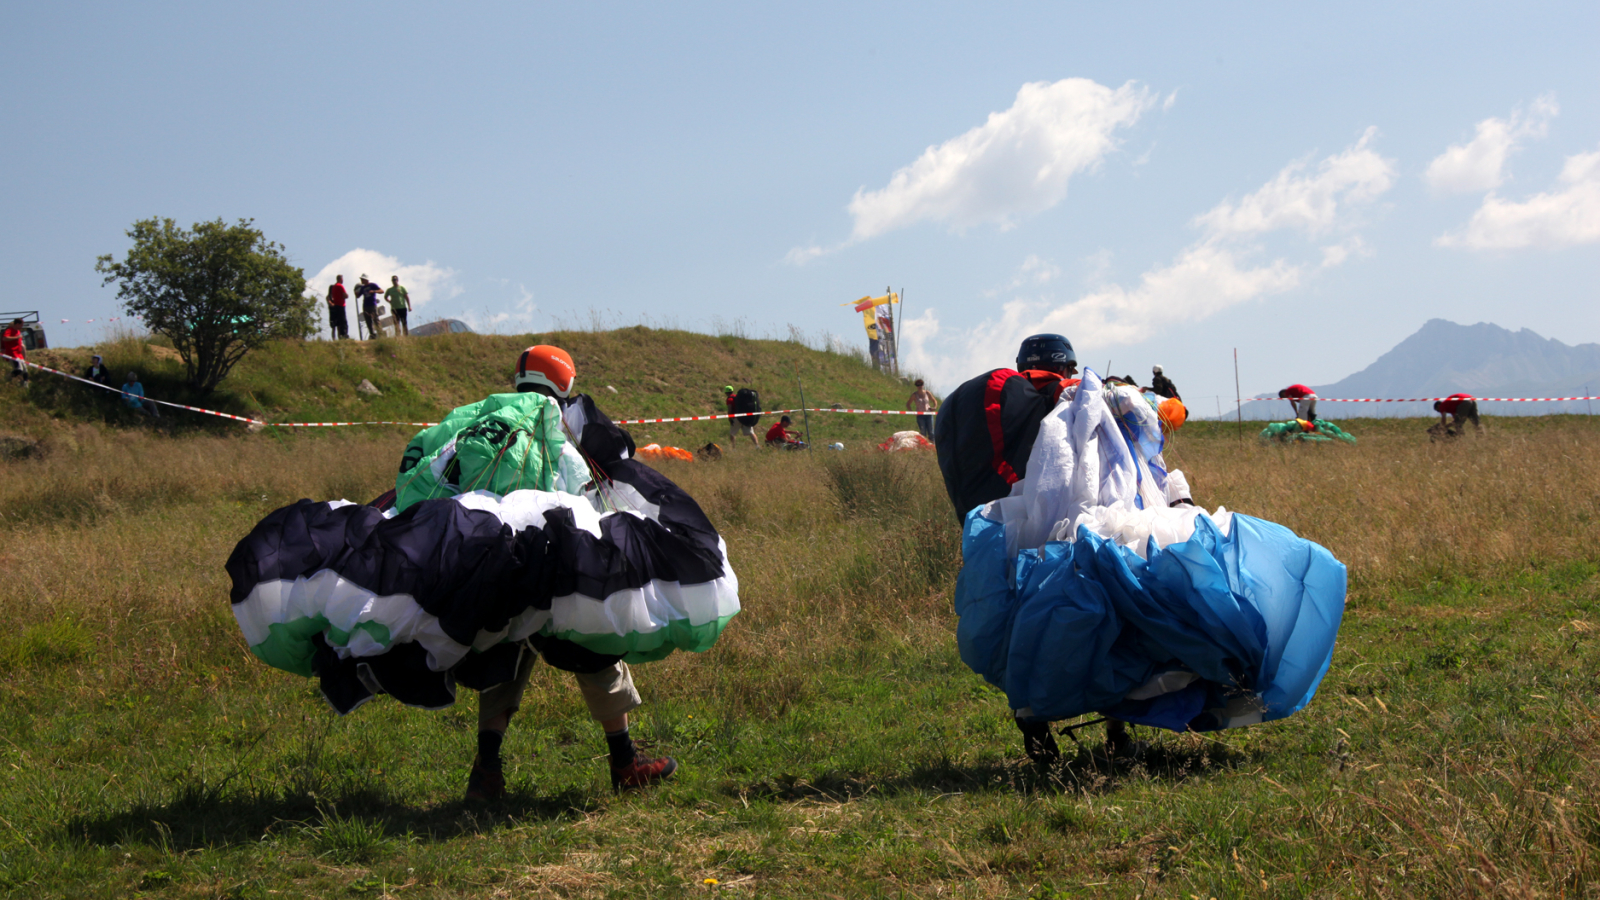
point(1118, 743)
point(642, 772)
point(1038, 742)
point(484, 784)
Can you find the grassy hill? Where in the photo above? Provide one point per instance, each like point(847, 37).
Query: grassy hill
point(655, 373)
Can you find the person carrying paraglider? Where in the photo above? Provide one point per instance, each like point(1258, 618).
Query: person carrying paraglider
point(1302, 400)
point(1161, 385)
point(520, 528)
point(1090, 582)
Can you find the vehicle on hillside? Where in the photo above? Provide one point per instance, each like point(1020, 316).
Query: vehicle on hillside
point(32, 329)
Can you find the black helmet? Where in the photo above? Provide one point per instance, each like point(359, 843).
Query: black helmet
point(1045, 350)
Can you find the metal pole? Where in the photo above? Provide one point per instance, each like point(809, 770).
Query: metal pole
point(1238, 400)
point(1586, 401)
point(804, 412)
point(899, 319)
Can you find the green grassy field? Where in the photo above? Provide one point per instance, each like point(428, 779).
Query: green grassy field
point(832, 744)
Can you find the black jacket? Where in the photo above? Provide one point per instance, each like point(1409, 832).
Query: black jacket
point(984, 434)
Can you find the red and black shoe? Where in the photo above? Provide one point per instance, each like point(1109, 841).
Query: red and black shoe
point(485, 784)
point(642, 772)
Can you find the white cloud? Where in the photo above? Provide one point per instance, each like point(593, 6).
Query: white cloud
point(1479, 164)
point(799, 256)
point(519, 320)
point(1213, 274)
point(1305, 201)
point(1016, 163)
point(1205, 279)
point(1554, 219)
point(1336, 254)
point(424, 283)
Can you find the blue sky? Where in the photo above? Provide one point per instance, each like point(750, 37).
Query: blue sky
point(1162, 183)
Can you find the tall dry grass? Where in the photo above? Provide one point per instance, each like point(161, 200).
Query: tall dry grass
point(1399, 510)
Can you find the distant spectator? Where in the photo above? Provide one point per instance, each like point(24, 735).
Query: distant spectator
point(133, 397)
point(368, 292)
point(337, 296)
point(733, 424)
point(11, 348)
point(874, 346)
point(97, 372)
point(1162, 385)
point(1302, 400)
point(1461, 408)
point(399, 304)
point(923, 401)
point(780, 436)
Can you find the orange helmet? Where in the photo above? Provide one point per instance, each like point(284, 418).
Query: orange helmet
point(548, 366)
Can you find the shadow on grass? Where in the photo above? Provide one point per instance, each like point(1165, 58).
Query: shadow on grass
point(1084, 769)
point(200, 818)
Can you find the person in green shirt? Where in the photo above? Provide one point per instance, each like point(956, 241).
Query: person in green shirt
point(399, 304)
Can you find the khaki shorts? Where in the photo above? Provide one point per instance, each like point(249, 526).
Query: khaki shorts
point(608, 693)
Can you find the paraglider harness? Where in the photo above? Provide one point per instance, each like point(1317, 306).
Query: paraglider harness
point(747, 400)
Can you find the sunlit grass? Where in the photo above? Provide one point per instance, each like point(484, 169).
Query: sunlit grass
point(832, 743)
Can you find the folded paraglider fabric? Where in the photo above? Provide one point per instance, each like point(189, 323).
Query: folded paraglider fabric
point(1076, 597)
point(413, 600)
point(656, 451)
point(905, 440)
point(1302, 430)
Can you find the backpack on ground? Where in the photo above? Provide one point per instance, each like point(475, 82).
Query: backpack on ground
point(747, 400)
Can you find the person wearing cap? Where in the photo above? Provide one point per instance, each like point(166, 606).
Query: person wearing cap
point(337, 322)
point(605, 682)
point(1161, 385)
point(399, 304)
point(368, 292)
point(11, 348)
point(97, 371)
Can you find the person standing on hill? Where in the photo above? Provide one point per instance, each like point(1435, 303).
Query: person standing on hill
point(1302, 400)
point(337, 296)
point(11, 348)
point(399, 304)
point(1460, 408)
point(605, 682)
point(1161, 385)
point(367, 292)
point(923, 401)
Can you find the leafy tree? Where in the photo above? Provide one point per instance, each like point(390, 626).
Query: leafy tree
point(217, 292)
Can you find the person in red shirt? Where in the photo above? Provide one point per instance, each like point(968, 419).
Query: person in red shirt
point(1302, 399)
point(1460, 408)
point(337, 295)
point(11, 347)
point(779, 435)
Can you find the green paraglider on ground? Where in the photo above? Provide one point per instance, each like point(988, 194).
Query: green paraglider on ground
point(1301, 430)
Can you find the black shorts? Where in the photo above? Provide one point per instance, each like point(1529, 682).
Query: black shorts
point(336, 317)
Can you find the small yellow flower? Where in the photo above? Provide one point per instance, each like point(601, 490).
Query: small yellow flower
point(711, 881)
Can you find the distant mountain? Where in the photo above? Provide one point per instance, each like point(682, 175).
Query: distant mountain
point(1444, 358)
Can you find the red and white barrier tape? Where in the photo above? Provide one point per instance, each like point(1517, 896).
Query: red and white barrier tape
point(1433, 399)
point(212, 412)
point(768, 412)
